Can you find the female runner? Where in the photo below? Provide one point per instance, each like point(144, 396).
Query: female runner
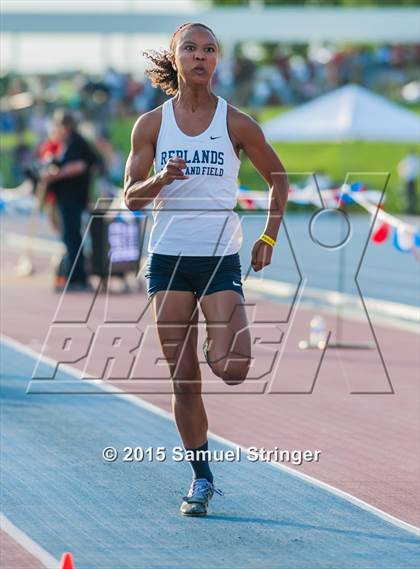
point(194, 140)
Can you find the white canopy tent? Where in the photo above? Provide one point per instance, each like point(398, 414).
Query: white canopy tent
point(348, 113)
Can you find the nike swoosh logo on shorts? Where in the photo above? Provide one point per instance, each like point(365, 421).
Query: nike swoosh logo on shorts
point(214, 137)
point(236, 284)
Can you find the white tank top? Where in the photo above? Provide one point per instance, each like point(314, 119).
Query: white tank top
point(195, 216)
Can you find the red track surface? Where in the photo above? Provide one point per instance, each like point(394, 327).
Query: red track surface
point(14, 556)
point(369, 443)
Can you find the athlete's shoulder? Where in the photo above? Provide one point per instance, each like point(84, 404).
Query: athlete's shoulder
point(242, 125)
point(146, 128)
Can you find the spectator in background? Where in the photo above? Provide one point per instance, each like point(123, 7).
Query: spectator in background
point(38, 123)
point(323, 180)
point(111, 172)
point(70, 179)
point(49, 151)
point(243, 72)
point(21, 159)
point(408, 170)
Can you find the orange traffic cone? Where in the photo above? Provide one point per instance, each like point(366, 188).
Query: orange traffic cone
point(67, 561)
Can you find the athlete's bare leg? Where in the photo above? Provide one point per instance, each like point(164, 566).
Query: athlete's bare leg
point(228, 335)
point(176, 315)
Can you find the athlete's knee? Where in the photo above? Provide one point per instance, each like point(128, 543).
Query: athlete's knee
point(186, 392)
point(186, 382)
point(233, 372)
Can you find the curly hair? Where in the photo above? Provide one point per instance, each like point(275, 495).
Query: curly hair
point(162, 73)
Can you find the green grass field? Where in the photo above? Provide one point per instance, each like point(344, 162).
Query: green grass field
point(335, 159)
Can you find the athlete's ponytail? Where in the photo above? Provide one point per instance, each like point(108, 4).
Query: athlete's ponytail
point(162, 73)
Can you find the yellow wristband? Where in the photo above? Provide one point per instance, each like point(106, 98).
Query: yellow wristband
point(267, 239)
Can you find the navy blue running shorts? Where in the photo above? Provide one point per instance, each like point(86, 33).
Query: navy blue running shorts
point(201, 275)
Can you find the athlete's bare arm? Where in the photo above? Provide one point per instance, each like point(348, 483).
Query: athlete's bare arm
point(139, 188)
point(247, 135)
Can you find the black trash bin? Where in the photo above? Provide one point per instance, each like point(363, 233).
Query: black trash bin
point(116, 241)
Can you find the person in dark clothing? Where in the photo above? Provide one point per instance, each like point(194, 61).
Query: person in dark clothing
point(408, 170)
point(69, 179)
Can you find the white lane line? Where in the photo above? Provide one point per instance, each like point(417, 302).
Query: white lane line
point(387, 313)
point(286, 290)
point(349, 314)
point(135, 400)
point(28, 544)
point(39, 244)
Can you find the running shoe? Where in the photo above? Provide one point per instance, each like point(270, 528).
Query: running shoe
point(197, 500)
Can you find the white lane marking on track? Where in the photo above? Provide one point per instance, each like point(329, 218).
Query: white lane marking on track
point(162, 413)
point(388, 310)
point(28, 544)
point(387, 313)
